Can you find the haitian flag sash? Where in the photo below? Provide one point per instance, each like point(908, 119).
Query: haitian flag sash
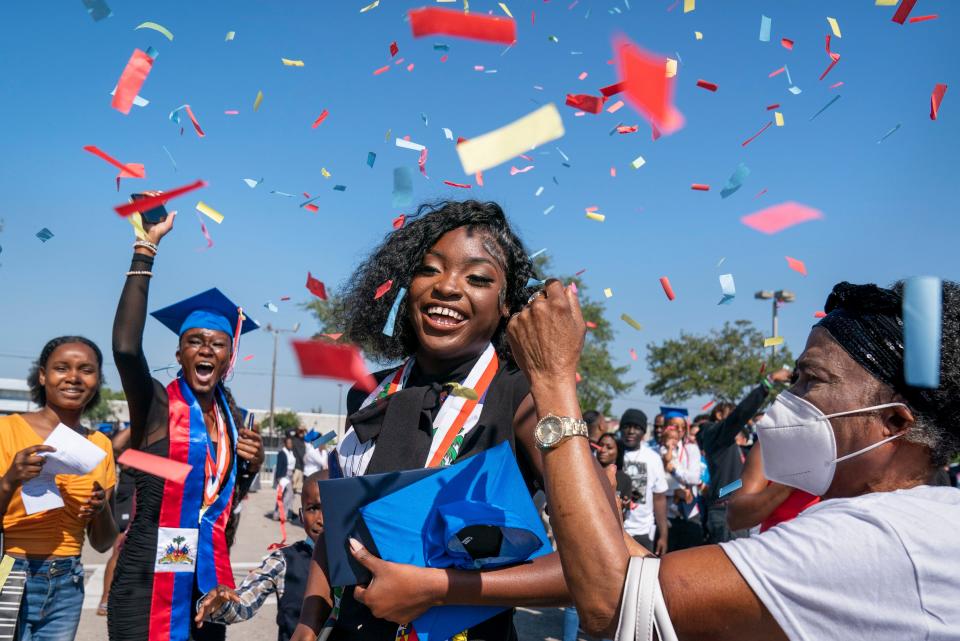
point(191, 541)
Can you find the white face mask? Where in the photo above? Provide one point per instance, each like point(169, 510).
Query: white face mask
point(798, 444)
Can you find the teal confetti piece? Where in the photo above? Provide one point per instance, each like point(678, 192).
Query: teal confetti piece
point(153, 53)
point(533, 282)
point(922, 313)
point(44, 234)
point(825, 107)
point(735, 181)
point(423, 117)
point(537, 253)
point(339, 187)
point(889, 133)
point(765, 24)
point(441, 47)
point(97, 9)
point(390, 326)
point(729, 289)
point(371, 158)
point(730, 488)
point(402, 187)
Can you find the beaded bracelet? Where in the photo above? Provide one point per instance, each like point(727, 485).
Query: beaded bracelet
point(146, 244)
point(139, 273)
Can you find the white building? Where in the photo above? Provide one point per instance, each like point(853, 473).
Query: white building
point(15, 396)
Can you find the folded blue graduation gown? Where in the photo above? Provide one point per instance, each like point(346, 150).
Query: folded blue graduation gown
point(437, 521)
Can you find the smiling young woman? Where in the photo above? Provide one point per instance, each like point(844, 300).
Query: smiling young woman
point(182, 530)
point(46, 545)
point(464, 272)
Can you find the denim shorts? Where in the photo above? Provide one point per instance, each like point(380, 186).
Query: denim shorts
point(52, 599)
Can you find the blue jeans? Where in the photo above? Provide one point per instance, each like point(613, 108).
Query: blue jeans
point(52, 599)
point(571, 623)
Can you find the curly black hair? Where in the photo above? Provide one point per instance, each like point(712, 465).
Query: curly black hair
point(362, 318)
point(37, 392)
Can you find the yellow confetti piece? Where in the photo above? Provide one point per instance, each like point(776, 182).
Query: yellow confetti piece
point(638, 162)
point(698, 35)
point(629, 321)
point(466, 6)
point(155, 27)
point(689, 5)
point(5, 566)
point(778, 117)
point(592, 215)
point(608, 292)
point(886, 3)
point(258, 100)
point(324, 172)
point(773, 341)
point(497, 146)
point(210, 212)
point(137, 221)
point(835, 26)
point(291, 63)
point(505, 10)
point(230, 35)
point(671, 67)
point(372, 5)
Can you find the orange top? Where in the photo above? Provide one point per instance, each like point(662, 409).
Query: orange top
point(56, 532)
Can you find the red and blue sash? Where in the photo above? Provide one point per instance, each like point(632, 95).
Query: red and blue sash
point(170, 609)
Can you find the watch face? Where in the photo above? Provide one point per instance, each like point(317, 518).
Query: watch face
point(549, 430)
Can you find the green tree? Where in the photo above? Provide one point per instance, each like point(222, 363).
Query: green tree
point(322, 311)
point(102, 412)
point(284, 421)
point(721, 364)
point(600, 380)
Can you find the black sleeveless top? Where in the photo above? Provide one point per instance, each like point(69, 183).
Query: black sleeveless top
point(403, 443)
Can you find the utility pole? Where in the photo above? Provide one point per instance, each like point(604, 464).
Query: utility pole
point(276, 331)
point(780, 296)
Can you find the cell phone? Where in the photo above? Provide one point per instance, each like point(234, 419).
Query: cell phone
point(152, 216)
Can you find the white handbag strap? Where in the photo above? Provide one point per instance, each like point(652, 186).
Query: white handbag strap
point(643, 609)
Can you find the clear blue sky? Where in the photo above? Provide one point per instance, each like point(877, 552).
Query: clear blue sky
point(889, 208)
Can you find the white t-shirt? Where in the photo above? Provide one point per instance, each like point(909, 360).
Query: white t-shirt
point(883, 566)
point(645, 469)
point(314, 460)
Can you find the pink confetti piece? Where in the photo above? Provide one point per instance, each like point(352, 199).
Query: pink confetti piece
point(633, 353)
point(787, 43)
point(667, 288)
point(779, 217)
point(231, 112)
point(458, 185)
point(796, 265)
point(381, 70)
point(615, 107)
point(836, 84)
point(754, 136)
point(248, 358)
point(323, 116)
point(583, 74)
point(777, 72)
point(514, 171)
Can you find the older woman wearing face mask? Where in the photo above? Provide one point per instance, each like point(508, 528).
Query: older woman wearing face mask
point(876, 559)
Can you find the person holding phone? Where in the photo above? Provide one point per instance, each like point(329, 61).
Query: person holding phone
point(177, 546)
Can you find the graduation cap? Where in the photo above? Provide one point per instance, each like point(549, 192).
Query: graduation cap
point(208, 310)
point(475, 514)
point(673, 412)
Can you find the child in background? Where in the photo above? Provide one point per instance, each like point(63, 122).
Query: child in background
point(283, 571)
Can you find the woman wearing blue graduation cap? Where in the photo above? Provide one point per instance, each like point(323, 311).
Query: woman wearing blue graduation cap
point(177, 545)
point(458, 272)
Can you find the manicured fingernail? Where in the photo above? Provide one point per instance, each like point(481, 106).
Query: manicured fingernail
point(355, 545)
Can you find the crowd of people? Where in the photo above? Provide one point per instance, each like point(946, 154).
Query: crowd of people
point(818, 506)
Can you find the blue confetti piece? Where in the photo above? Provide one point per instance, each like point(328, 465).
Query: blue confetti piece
point(389, 326)
point(97, 9)
point(729, 289)
point(922, 312)
point(533, 282)
point(402, 187)
point(765, 24)
point(423, 117)
point(153, 53)
point(537, 253)
point(729, 488)
point(371, 158)
point(307, 202)
point(441, 47)
point(44, 234)
point(889, 133)
point(339, 187)
point(735, 181)
point(273, 308)
point(174, 162)
point(326, 438)
point(825, 107)
point(282, 193)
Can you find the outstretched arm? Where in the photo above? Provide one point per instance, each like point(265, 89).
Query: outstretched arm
point(757, 499)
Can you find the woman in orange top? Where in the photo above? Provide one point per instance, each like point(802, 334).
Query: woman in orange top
point(46, 545)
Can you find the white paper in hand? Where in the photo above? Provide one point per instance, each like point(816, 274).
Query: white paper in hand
point(74, 454)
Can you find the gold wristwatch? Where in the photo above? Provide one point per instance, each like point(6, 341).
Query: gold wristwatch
point(552, 430)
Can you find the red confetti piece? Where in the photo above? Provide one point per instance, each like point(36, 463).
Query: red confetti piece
point(312, 207)
point(248, 358)
point(398, 221)
point(932, 16)
point(611, 90)
point(284, 298)
point(316, 287)
point(796, 265)
point(787, 43)
point(819, 314)
point(626, 129)
point(479, 178)
point(709, 86)
point(936, 98)
point(754, 136)
point(443, 58)
point(161, 466)
point(382, 69)
point(834, 57)
point(646, 85)
point(707, 406)
point(132, 170)
point(459, 185)
point(775, 105)
point(193, 119)
point(434, 20)
point(667, 289)
point(779, 217)
point(146, 204)
point(906, 6)
point(580, 272)
point(578, 377)
point(394, 49)
point(320, 358)
point(591, 325)
point(760, 193)
point(323, 116)
point(700, 187)
point(586, 102)
point(383, 289)
point(533, 17)
point(131, 80)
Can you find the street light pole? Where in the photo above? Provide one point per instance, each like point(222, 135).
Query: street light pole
point(276, 331)
point(777, 297)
